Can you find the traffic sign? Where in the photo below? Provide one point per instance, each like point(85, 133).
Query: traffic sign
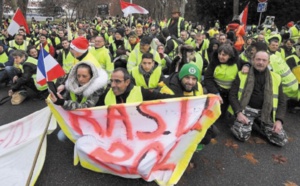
point(262, 7)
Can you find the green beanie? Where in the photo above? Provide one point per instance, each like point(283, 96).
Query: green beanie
point(189, 69)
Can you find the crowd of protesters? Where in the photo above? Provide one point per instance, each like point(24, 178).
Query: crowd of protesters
point(144, 59)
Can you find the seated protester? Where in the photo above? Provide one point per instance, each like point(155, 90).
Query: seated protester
point(19, 43)
point(23, 75)
point(148, 74)
point(33, 52)
point(133, 40)
point(185, 84)
point(83, 87)
point(165, 59)
point(6, 63)
point(135, 56)
point(221, 72)
point(122, 90)
point(258, 102)
point(47, 46)
point(117, 47)
point(101, 53)
point(186, 55)
point(65, 57)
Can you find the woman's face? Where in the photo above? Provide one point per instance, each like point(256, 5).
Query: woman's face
point(83, 76)
point(223, 58)
point(33, 53)
point(132, 39)
point(215, 47)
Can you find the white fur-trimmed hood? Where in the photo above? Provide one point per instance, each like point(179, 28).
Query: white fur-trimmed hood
point(98, 81)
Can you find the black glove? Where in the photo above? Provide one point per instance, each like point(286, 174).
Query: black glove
point(59, 102)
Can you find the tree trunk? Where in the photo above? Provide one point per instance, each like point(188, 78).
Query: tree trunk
point(1, 11)
point(235, 8)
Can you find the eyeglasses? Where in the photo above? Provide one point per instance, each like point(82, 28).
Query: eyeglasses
point(117, 81)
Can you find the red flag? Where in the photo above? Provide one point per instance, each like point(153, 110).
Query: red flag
point(17, 21)
point(244, 15)
point(129, 8)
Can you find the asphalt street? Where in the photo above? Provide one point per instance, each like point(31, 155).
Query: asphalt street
point(225, 161)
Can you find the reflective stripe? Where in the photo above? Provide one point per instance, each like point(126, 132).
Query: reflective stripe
point(286, 73)
point(275, 96)
point(224, 83)
point(290, 83)
point(241, 90)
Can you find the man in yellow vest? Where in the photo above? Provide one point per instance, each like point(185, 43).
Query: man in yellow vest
point(135, 56)
point(176, 23)
point(102, 54)
point(148, 74)
point(18, 43)
point(122, 90)
point(79, 49)
point(295, 31)
point(65, 58)
point(24, 78)
point(258, 102)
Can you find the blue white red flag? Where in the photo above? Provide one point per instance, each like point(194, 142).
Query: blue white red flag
point(47, 69)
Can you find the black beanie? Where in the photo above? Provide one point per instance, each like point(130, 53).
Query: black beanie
point(121, 31)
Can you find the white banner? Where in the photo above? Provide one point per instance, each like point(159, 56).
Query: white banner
point(23, 148)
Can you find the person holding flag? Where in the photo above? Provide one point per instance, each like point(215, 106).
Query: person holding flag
point(25, 68)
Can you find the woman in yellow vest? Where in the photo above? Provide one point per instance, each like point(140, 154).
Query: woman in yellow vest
point(221, 72)
point(147, 74)
point(83, 87)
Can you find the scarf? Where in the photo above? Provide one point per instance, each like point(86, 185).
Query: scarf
point(268, 95)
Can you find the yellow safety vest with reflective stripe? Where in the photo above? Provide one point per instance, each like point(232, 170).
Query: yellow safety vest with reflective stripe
point(173, 53)
point(135, 95)
point(296, 68)
point(74, 98)
point(19, 47)
point(178, 25)
point(199, 63)
point(225, 74)
point(244, 57)
point(103, 56)
point(190, 42)
point(90, 58)
point(140, 80)
point(114, 47)
point(46, 47)
point(164, 89)
point(34, 62)
point(3, 57)
point(288, 79)
point(282, 51)
point(67, 61)
point(275, 82)
point(295, 33)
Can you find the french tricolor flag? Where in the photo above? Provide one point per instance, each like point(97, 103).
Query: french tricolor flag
point(47, 69)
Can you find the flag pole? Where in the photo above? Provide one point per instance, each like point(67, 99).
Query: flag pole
point(38, 151)
point(42, 50)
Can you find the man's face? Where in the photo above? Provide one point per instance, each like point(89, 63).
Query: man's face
point(43, 39)
point(183, 36)
point(118, 83)
point(139, 31)
point(61, 34)
point(222, 39)
point(147, 64)
point(99, 42)
point(144, 47)
point(199, 39)
point(188, 83)
point(260, 37)
point(75, 53)
point(118, 36)
point(19, 40)
point(18, 59)
point(175, 15)
point(261, 61)
point(289, 45)
point(65, 44)
point(153, 30)
point(127, 30)
point(273, 46)
point(223, 57)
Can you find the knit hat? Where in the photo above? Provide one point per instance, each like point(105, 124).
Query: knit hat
point(121, 31)
point(80, 44)
point(189, 69)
